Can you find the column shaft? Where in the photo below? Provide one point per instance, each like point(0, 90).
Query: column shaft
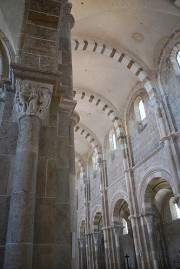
point(73, 216)
point(19, 244)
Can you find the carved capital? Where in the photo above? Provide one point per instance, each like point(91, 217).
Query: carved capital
point(32, 98)
point(118, 230)
point(82, 241)
point(97, 237)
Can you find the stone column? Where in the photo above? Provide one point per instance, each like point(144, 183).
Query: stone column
point(87, 228)
point(97, 238)
point(150, 222)
point(1, 69)
point(74, 119)
point(63, 252)
point(92, 258)
point(65, 58)
point(105, 216)
point(32, 100)
point(118, 234)
point(171, 153)
point(133, 204)
point(81, 244)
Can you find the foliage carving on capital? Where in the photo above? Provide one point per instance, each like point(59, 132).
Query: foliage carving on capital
point(32, 98)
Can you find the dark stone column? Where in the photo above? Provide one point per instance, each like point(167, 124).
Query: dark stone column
point(118, 233)
point(63, 252)
point(74, 119)
point(19, 242)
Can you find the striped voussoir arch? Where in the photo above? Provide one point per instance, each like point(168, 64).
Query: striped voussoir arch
point(91, 139)
point(100, 47)
point(103, 104)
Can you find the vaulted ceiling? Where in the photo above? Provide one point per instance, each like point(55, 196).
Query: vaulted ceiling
point(138, 28)
point(111, 40)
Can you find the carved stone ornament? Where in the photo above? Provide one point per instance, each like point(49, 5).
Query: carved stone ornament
point(32, 98)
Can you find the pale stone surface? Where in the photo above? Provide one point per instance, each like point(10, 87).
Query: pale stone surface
point(37, 162)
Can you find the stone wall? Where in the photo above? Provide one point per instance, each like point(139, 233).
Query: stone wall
point(8, 140)
point(143, 135)
point(172, 239)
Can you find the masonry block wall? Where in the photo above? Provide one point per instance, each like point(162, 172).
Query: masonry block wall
point(150, 164)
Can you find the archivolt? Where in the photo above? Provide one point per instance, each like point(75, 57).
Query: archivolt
point(91, 138)
point(148, 182)
point(101, 102)
point(118, 55)
point(8, 46)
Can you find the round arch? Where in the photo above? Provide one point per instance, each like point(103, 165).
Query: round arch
point(96, 210)
point(118, 196)
point(91, 138)
point(156, 179)
point(99, 101)
point(100, 47)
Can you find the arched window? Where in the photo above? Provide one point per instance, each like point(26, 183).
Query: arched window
point(178, 58)
point(94, 162)
point(174, 209)
point(142, 110)
point(112, 140)
point(177, 211)
point(175, 59)
point(125, 225)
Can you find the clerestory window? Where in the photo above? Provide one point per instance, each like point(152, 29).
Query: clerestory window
point(112, 140)
point(177, 211)
point(142, 110)
point(178, 58)
point(125, 225)
point(94, 162)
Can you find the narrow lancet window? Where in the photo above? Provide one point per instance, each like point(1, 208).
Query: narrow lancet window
point(142, 110)
point(178, 58)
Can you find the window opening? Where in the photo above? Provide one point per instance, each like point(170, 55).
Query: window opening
point(142, 110)
point(177, 211)
point(94, 162)
point(112, 140)
point(125, 230)
point(178, 58)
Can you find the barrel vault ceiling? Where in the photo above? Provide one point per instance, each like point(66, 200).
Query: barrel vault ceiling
point(139, 28)
point(136, 28)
